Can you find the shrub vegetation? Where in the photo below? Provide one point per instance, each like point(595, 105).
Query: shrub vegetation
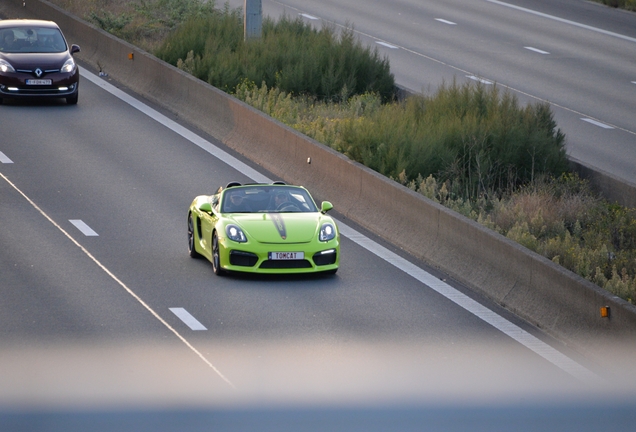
point(291, 55)
point(480, 141)
point(623, 4)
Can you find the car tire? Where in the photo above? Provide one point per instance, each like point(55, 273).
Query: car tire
point(216, 256)
point(73, 99)
point(191, 234)
point(1, 101)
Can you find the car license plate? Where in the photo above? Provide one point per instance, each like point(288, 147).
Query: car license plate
point(286, 255)
point(38, 82)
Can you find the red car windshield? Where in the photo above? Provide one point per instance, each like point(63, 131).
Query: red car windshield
point(32, 40)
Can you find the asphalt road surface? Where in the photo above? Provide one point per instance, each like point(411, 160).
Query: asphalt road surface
point(106, 321)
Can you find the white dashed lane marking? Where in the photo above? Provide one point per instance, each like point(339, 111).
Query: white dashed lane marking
point(481, 80)
point(537, 50)
point(5, 159)
point(388, 45)
point(188, 319)
point(445, 21)
point(85, 229)
point(597, 123)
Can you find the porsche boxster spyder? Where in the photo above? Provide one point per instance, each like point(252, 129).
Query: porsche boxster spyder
point(263, 228)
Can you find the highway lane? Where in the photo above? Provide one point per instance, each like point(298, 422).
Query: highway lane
point(130, 180)
point(577, 55)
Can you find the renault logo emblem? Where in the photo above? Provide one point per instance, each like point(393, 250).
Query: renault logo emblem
point(38, 72)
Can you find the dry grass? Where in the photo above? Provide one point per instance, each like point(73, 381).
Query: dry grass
point(83, 8)
point(144, 23)
point(546, 210)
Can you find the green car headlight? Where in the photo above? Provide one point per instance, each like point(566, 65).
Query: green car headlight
point(327, 232)
point(235, 233)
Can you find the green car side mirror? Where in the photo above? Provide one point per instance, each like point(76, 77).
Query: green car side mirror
point(325, 207)
point(206, 207)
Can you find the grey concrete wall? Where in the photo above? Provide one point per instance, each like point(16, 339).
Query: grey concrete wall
point(556, 300)
point(612, 188)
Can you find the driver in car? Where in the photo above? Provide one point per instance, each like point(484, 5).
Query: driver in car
point(8, 40)
point(280, 199)
point(236, 203)
point(283, 203)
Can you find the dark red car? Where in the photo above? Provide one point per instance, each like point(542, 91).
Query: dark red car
point(36, 61)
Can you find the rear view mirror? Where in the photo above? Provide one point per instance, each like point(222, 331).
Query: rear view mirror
point(325, 207)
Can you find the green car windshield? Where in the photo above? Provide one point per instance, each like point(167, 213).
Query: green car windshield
point(267, 199)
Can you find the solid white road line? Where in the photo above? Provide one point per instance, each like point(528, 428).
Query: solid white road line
point(119, 282)
point(85, 229)
point(564, 21)
point(176, 127)
point(5, 159)
point(524, 338)
point(188, 319)
point(445, 21)
point(515, 332)
point(308, 16)
point(597, 123)
point(536, 50)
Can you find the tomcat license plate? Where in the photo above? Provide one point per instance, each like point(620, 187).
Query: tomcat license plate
point(38, 82)
point(286, 255)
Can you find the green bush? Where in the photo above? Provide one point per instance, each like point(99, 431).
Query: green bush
point(623, 4)
point(482, 142)
point(291, 55)
point(472, 135)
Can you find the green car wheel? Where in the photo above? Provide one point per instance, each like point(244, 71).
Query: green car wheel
point(216, 257)
point(191, 248)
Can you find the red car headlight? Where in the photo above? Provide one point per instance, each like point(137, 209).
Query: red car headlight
point(69, 66)
point(5, 66)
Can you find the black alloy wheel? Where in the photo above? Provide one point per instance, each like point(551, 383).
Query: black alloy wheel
point(191, 248)
point(216, 257)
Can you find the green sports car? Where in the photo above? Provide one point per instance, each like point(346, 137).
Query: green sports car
point(263, 228)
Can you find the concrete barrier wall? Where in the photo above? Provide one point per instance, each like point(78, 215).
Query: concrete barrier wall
point(558, 301)
point(612, 188)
